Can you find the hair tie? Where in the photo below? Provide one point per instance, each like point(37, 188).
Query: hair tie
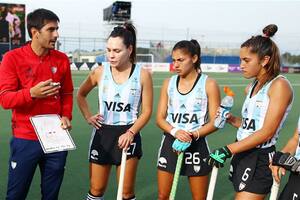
point(265, 35)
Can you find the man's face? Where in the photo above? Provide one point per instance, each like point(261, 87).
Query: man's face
point(47, 36)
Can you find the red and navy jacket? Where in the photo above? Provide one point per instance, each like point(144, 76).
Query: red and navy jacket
point(20, 70)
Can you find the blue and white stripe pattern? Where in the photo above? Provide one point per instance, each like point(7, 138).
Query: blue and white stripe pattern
point(119, 104)
point(254, 111)
point(187, 111)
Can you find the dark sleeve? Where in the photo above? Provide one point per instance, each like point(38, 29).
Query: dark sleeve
point(10, 95)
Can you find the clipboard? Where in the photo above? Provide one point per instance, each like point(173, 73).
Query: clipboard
point(52, 137)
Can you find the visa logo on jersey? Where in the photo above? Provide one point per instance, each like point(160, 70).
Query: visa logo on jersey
point(117, 106)
point(248, 124)
point(184, 118)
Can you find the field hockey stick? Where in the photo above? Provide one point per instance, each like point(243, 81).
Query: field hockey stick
point(176, 176)
point(275, 188)
point(122, 175)
point(212, 183)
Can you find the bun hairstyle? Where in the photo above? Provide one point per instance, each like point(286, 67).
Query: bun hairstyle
point(128, 33)
point(262, 45)
point(191, 47)
point(270, 30)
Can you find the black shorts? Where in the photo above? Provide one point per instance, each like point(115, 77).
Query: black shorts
point(249, 171)
point(193, 161)
point(291, 190)
point(104, 148)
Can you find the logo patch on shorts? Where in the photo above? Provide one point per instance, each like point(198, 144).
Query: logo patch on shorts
point(242, 186)
point(94, 154)
point(162, 162)
point(197, 168)
point(13, 164)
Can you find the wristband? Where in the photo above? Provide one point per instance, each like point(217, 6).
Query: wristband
point(173, 131)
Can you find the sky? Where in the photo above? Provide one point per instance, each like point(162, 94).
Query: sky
point(213, 22)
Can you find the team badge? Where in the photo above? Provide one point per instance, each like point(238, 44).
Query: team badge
point(259, 104)
point(53, 69)
point(13, 164)
point(242, 186)
point(197, 168)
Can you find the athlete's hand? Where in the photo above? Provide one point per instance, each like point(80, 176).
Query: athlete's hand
point(66, 123)
point(183, 136)
point(218, 157)
point(287, 161)
point(44, 89)
point(95, 120)
point(125, 140)
point(277, 172)
point(180, 146)
point(233, 120)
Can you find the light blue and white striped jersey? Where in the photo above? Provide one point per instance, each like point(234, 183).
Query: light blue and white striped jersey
point(119, 104)
point(297, 154)
point(187, 111)
point(254, 111)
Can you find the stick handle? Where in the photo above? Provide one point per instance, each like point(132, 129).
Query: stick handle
point(176, 176)
point(212, 183)
point(122, 175)
point(275, 188)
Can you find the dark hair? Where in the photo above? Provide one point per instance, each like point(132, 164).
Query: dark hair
point(38, 18)
point(262, 45)
point(191, 47)
point(128, 33)
point(3, 13)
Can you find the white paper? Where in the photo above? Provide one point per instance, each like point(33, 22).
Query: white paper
point(52, 137)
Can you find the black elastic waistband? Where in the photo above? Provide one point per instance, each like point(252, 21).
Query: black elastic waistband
point(116, 126)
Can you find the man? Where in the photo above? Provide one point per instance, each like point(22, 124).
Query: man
point(29, 78)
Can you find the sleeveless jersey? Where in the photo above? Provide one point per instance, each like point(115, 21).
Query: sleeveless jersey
point(254, 111)
point(187, 111)
point(119, 104)
point(297, 154)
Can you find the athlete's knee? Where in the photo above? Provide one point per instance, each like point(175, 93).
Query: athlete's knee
point(97, 191)
point(128, 191)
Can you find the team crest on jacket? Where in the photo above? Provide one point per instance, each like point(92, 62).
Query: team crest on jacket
point(53, 69)
point(13, 164)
